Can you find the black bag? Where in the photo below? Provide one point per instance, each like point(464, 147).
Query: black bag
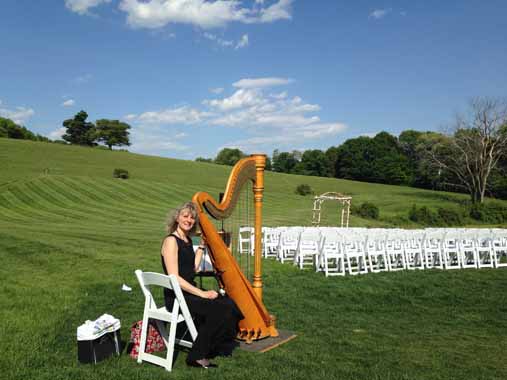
point(94, 351)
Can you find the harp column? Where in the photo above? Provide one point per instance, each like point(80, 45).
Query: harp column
point(258, 190)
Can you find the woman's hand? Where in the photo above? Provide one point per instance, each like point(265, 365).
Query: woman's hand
point(210, 294)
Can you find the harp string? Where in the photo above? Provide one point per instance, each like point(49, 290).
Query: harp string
point(241, 216)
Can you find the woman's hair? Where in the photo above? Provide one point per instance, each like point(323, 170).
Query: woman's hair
point(172, 219)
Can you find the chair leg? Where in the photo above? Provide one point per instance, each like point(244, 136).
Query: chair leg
point(170, 345)
point(144, 334)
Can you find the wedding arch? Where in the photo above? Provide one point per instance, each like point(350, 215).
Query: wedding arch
point(344, 201)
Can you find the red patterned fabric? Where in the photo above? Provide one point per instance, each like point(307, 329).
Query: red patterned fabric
point(154, 342)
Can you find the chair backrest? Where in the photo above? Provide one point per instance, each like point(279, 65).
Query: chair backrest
point(147, 279)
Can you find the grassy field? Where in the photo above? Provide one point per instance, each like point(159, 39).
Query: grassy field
point(71, 235)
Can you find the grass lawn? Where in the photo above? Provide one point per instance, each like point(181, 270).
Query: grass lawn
point(71, 235)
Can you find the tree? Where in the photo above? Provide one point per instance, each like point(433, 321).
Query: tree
point(284, 162)
point(203, 159)
point(473, 151)
point(228, 156)
point(112, 132)
point(10, 129)
point(268, 166)
point(79, 131)
point(314, 162)
point(389, 163)
point(354, 159)
point(332, 155)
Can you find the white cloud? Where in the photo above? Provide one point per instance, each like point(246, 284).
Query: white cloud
point(218, 40)
point(261, 82)
point(68, 103)
point(57, 133)
point(379, 13)
point(82, 6)
point(204, 14)
point(217, 90)
point(288, 137)
point(281, 95)
point(82, 79)
point(278, 11)
point(20, 115)
point(243, 42)
point(153, 141)
point(266, 119)
point(130, 116)
point(179, 115)
point(240, 99)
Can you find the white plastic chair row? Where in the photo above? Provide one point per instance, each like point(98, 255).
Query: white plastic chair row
point(337, 251)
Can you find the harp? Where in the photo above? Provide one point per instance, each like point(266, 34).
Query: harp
point(258, 323)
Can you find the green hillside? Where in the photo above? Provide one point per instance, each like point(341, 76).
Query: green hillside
point(71, 235)
point(37, 176)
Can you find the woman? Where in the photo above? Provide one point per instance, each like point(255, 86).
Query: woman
point(217, 316)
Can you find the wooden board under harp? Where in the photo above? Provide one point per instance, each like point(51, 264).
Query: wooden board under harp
point(258, 323)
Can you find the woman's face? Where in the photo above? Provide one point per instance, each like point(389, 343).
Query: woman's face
point(186, 220)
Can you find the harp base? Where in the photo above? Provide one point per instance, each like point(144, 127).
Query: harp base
point(268, 343)
point(251, 334)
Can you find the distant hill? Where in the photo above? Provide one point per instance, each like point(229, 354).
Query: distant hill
point(45, 179)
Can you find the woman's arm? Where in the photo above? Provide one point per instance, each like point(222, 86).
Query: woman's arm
point(198, 258)
point(170, 254)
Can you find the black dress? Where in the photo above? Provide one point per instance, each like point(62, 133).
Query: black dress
point(216, 320)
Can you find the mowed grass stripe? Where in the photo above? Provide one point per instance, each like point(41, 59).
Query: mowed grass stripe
point(134, 199)
point(135, 187)
point(50, 203)
point(7, 212)
point(69, 208)
point(72, 211)
point(16, 202)
point(112, 197)
point(117, 207)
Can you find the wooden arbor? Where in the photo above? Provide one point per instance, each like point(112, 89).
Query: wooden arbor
point(345, 201)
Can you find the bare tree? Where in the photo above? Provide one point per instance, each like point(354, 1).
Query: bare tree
point(478, 141)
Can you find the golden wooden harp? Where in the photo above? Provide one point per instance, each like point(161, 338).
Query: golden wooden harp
point(258, 323)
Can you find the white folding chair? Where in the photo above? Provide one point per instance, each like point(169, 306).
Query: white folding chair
point(270, 239)
point(355, 255)
point(413, 249)
point(245, 240)
point(432, 248)
point(485, 252)
point(178, 314)
point(308, 249)
point(376, 252)
point(395, 251)
point(288, 244)
point(468, 249)
point(499, 242)
point(450, 250)
point(331, 259)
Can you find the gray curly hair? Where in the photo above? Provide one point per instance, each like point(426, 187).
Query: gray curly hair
point(172, 219)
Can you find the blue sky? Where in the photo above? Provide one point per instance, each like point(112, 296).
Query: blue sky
point(193, 76)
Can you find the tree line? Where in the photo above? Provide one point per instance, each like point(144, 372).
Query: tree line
point(9, 129)
point(471, 158)
point(78, 131)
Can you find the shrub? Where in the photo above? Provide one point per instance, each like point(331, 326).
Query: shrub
point(423, 215)
point(367, 210)
point(304, 189)
point(492, 212)
point(450, 216)
point(120, 173)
